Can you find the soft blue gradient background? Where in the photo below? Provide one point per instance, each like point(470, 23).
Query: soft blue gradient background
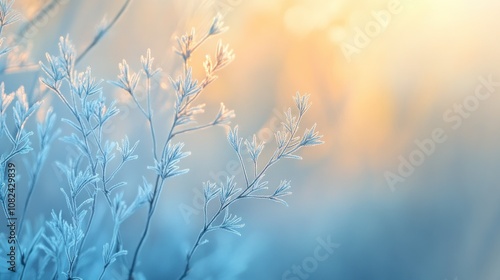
point(442, 222)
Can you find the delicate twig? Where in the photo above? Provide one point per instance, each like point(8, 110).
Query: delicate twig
point(208, 226)
point(150, 115)
point(152, 208)
point(200, 127)
point(104, 31)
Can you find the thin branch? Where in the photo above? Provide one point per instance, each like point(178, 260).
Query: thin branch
point(200, 127)
point(104, 31)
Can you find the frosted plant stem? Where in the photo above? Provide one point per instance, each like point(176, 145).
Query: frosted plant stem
point(208, 226)
point(196, 128)
point(152, 208)
point(202, 233)
point(150, 116)
point(103, 271)
point(190, 255)
point(85, 135)
point(171, 134)
point(114, 240)
point(94, 42)
point(103, 32)
point(105, 191)
point(22, 272)
point(243, 167)
point(87, 229)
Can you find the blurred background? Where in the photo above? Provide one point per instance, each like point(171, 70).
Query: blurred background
point(381, 75)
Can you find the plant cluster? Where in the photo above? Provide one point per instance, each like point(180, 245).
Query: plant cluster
point(62, 246)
